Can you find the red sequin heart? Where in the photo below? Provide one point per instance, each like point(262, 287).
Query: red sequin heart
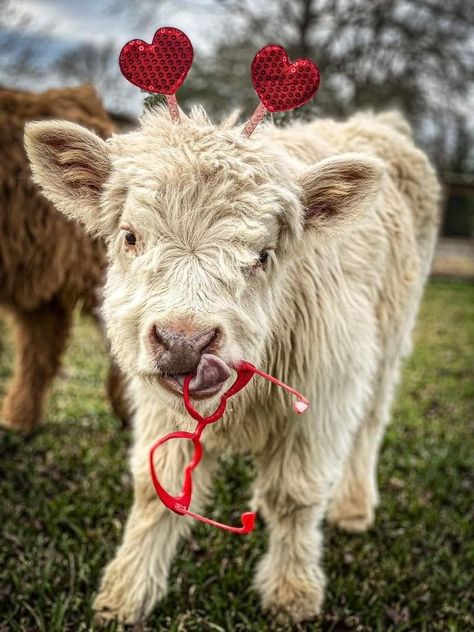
point(159, 67)
point(282, 85)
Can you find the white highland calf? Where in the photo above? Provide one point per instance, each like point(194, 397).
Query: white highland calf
point(301, 250)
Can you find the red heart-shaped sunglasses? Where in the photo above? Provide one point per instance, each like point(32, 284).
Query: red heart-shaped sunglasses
point(180, 504)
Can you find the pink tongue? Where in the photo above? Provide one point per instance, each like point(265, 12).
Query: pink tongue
point(211, 371)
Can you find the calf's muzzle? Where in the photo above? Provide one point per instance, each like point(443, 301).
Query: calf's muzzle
point(177, 349)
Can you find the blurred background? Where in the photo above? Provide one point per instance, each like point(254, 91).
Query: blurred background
point(414, 55)
point(65, 493)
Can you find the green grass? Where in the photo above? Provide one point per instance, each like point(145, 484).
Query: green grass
point(65, 494)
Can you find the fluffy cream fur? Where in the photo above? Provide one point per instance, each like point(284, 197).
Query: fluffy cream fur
point(349, 211)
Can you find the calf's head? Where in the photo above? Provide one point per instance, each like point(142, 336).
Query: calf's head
point(201, 224)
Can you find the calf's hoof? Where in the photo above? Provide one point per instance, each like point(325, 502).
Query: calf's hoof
point(355, 524)
point(293, 602)
point(109, 606)
point(291, 598)
point(125, 595)
point(353, 506)
point(351, 518)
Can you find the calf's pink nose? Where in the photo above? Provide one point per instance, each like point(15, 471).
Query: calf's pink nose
point(177, 350)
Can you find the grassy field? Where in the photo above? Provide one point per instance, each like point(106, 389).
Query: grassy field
point(65, 494)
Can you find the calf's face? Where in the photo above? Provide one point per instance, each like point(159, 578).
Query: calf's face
point(201, 224)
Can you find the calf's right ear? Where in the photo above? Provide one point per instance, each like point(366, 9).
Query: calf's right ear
point(71, 165)
point(337, 191)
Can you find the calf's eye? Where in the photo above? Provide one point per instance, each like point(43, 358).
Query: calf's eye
point(130, 239)
point(263, 257)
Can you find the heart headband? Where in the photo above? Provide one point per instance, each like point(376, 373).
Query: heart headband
point(162, 66)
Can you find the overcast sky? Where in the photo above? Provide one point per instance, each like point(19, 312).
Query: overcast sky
point(101, 20)
point(52, 27)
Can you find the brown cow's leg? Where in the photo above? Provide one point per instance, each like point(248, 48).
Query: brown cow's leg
point(41, 336)
point(116, 384)
point(117, 392)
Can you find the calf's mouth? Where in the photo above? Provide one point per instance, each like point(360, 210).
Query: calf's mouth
point(208, 379)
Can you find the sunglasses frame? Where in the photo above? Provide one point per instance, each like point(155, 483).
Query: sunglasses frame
point(180, 504)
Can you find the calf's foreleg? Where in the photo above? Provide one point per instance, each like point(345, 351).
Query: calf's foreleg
point(137, 578)
point(293, 486)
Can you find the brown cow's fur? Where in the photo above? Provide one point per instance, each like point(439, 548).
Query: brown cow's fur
point(47, 263)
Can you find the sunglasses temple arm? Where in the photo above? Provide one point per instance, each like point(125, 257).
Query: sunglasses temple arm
point(247, 518)
point(301, 405)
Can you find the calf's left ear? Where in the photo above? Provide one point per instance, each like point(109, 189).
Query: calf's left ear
point(71, 165)
point(338, 190)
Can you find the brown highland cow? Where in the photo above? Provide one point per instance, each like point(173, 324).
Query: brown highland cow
point(48, 264)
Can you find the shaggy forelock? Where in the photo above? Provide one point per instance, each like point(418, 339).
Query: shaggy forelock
point(201, 183)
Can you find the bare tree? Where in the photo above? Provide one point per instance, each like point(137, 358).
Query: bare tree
point(97, 65)
point(416, 55)
point(17, 53)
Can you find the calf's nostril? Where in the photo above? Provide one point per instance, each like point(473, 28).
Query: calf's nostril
point(156, 334)
point(205, 339)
